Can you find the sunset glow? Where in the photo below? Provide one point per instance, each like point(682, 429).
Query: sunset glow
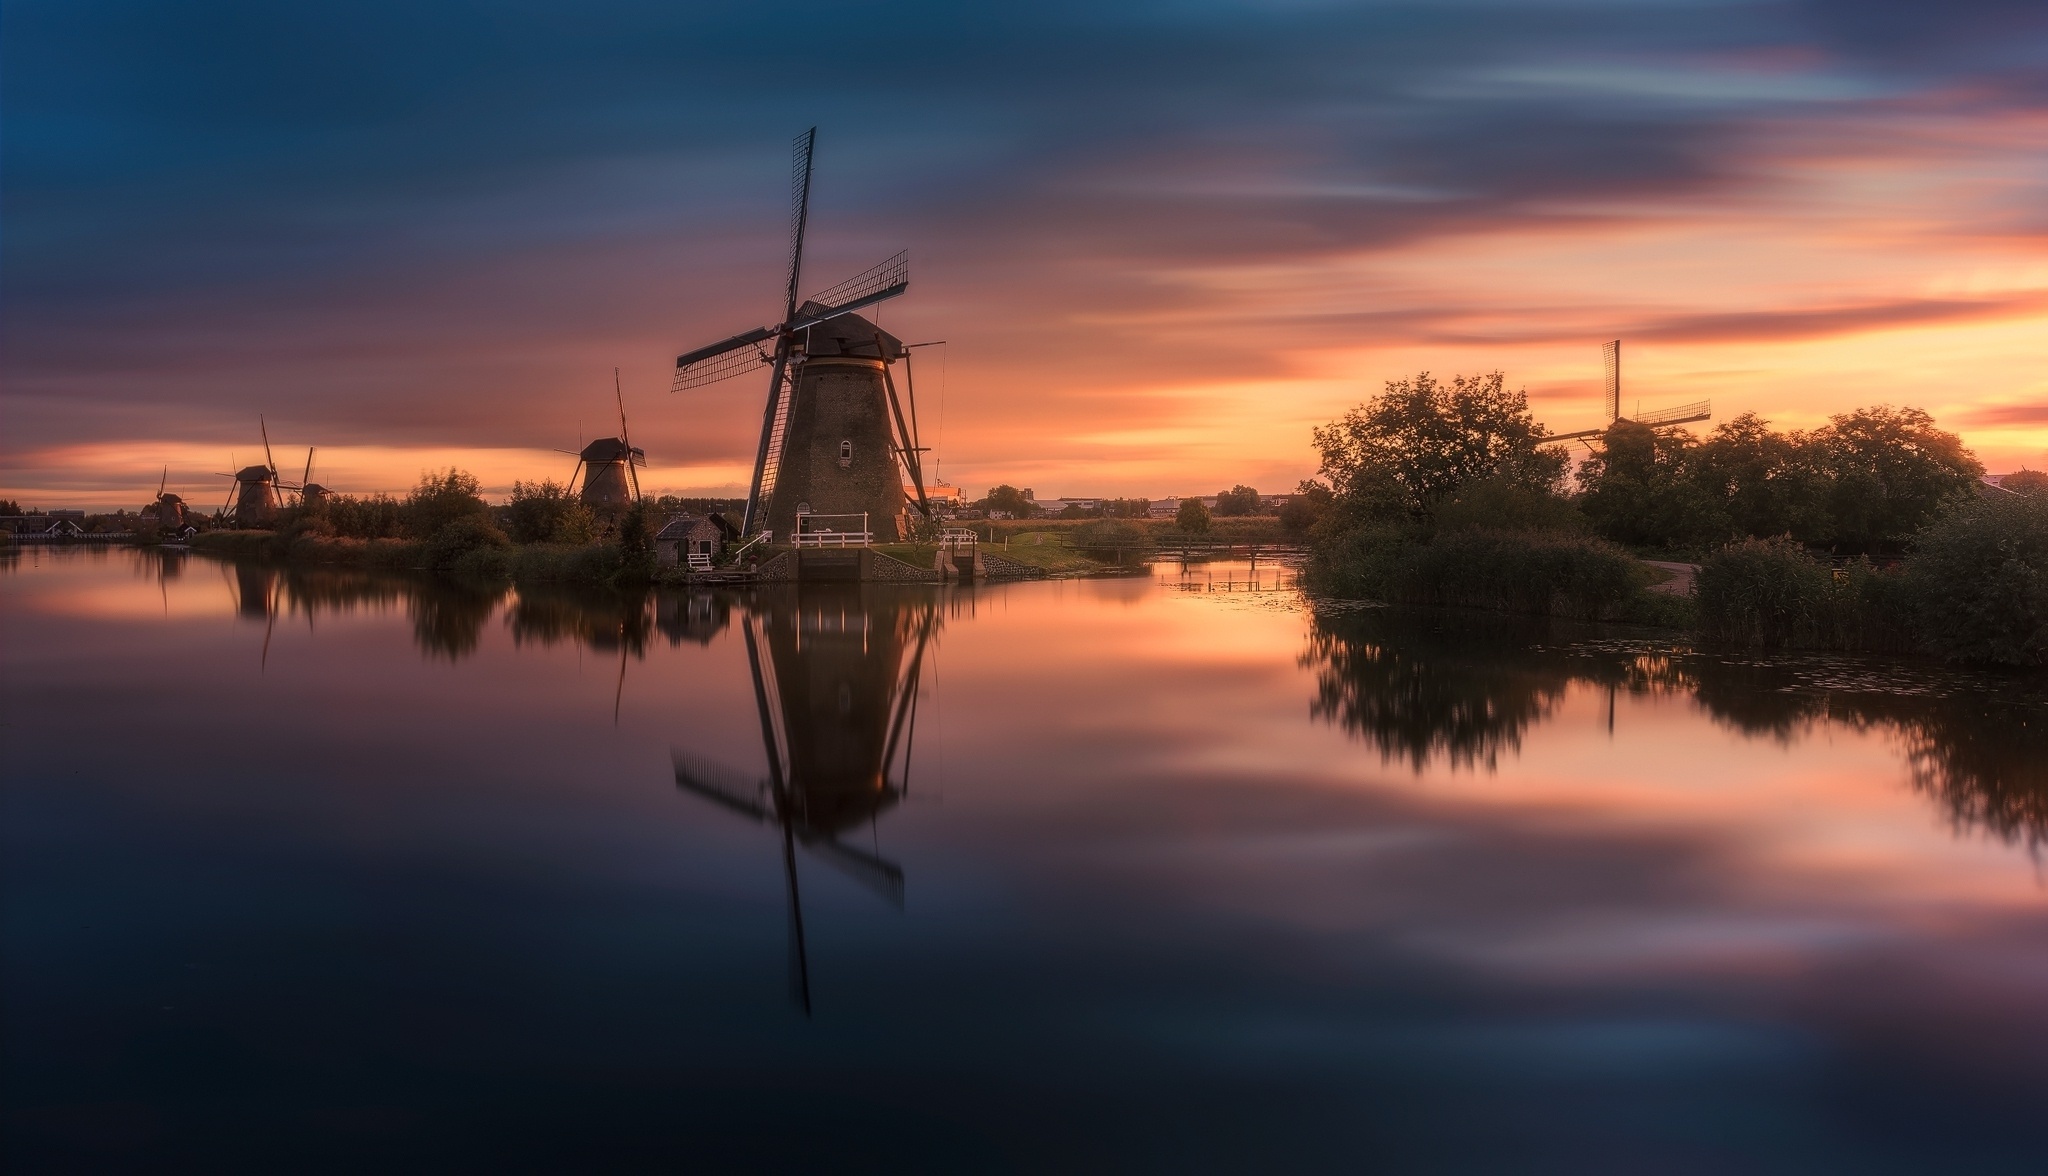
point(1796, 209)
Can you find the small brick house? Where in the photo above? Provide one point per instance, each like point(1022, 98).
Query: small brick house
point(685, 536)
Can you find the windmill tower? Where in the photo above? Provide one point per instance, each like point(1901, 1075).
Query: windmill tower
point(254, 499)
point(1610, 362)
point(836, 677)
point(836, 450)
point(167, 509)
point(610, 466)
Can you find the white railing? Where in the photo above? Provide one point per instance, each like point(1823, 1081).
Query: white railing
point(958, 537)
point(828, 536)
point(834, 539)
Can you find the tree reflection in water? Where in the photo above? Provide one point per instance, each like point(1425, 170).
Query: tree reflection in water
point(1461, 689)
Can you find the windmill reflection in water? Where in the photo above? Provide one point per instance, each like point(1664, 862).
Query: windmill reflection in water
point(836, 676)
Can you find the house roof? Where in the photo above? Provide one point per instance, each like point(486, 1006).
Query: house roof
point(681, 526)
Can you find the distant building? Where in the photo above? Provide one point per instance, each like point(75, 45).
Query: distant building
point(944, 497)
point(1164, 508)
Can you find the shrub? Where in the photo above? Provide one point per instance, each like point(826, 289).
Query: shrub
point(1305, 507)
point(636, 537)
point(1105, 536)
point(375, 516)
point(1505, 504)
point(442, 499)
point(1193, 517)
point(545, 512)
point(1978, 583)
point(448, 545)
point(1544, 574)
point(1771, 594)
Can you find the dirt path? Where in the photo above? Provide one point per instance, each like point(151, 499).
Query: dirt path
point(1680, 583)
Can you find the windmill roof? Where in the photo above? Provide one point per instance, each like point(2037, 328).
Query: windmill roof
point(611, 449)
point(849, 334)
point(254, 474)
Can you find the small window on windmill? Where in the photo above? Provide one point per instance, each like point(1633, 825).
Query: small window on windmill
point(845, 454)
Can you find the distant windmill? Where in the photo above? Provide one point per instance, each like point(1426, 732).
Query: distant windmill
point(255, 499)
point(310, 492)
point(610, 466)
point(1683, 414)
point(167, 509)
point(833, 430)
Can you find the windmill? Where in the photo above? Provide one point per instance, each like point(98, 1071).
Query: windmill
point(838, 711)
point(254, 499)
point(1682, 414)
point(167, 509)
point(833, 431)
point(310, 492)
point(609, 466)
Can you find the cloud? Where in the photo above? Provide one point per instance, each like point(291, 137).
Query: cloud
point(442, 231)
point(2004, 415)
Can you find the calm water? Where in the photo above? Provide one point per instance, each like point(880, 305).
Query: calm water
point(331, 871)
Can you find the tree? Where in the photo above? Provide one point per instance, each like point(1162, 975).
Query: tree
point(441, 499)
point(636, 535)
point(9, 507)
point(545, 512)
point(1306, 507)
point(1890, 472)
point(1418, 442)
point(1236, 502)
point(1009, 498)
point(2026, 481)
point(1127, 508)
point(1767, 483)
point(1192, 517)
point(1638, 488)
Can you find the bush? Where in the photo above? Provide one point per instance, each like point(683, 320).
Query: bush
point(1504, 504)
point(443, 499)
point(1306, 507)
point(545, 512)
point(636, 537)
point(1978, 583)
point(1193, 517)
point(375, 516)
point(1771, 594)
point(1105, 536)
point(1543, 574)
point(447, 546)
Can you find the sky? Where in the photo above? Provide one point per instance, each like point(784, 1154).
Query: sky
point(1161, 242)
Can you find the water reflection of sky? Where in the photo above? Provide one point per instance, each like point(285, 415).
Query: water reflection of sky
point(1190, 879)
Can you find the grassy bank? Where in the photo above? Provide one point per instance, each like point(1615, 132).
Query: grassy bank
point(543, 563)
point(1974, 587)
point(1532, 573)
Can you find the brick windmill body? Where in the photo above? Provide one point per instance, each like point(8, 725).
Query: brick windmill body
point(838, 460)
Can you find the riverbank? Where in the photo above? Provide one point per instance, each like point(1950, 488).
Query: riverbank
point(1973, 590)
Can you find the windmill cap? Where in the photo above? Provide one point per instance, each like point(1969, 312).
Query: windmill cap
point(611, 449)
point(849, 334)
point(254, 474)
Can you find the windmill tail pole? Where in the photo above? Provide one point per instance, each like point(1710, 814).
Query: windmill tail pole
point(775, 393)
point(909, 447)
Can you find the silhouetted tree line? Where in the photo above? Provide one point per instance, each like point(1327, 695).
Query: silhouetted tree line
point(1446, 493)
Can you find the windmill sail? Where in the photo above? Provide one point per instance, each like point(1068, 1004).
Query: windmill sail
point(788, 349)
